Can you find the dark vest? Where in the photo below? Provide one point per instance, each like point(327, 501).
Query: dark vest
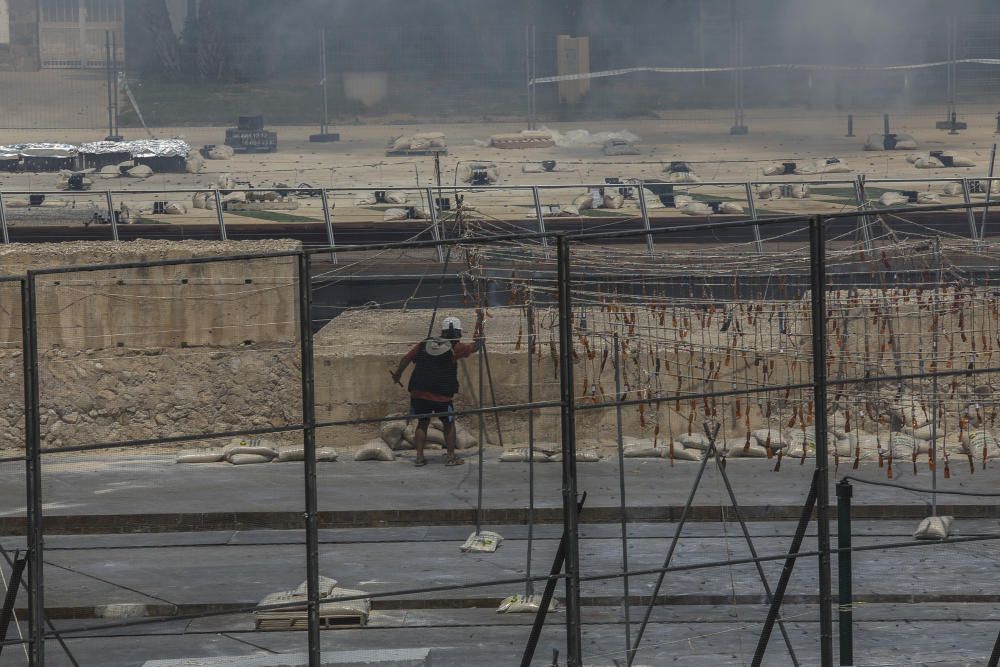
point(434, 374)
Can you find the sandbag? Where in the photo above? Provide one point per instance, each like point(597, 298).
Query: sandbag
point(522, 455)
point(220, 152)
point(696, 208)
point(681, 453)
point(934, 528)
point(435, 436)
point(194, 164)
point(524, 604)
point(583, 202)
point(464, 439)
point(139, 171)
point(730, 207)
point(903, 445)
point(582, 456)
point(467, 170)
point(392, 433)
point(613, 200)
point(866, 444)
point(110, 171)
point(199, 200)
point(394, 214)
point(374, 450)
point(174, 208)
point(331, 605)
point(928, 198)
point(893, 199)
point(523, 139)
point(616, 147)
point(201, 456)
point(326, 455)
point(927, 163)
point(293, 453)
point(954, 189)
point(694, 441)
point(642, 449)
point(772, 438)
point(254, 446)
point(975, 441)
point(326, 586)
point(247, 459)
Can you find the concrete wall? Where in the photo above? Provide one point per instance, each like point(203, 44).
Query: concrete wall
point(217, 304)
point(156, 352)
point(24, 52)
point(4, 23)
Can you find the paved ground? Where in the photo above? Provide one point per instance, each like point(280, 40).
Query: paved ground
point(133, 485)
point(930, 603)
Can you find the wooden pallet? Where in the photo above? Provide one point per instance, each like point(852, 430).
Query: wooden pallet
point(419, 152)
point(299, 620)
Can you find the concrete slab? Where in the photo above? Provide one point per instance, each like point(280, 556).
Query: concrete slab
point(112, 580)
point(885, 639)
point(152, 494)
point(382, 657)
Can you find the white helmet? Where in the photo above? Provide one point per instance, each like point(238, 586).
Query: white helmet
point(450, 323)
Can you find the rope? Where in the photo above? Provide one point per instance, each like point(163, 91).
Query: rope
point(920, 490)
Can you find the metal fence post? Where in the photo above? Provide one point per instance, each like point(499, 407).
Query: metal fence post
point(969, 213)
point(309, 451)
point(111, 215)
point(3, 221)
point(435, 223)
point(860, 197)
point(644, 210)
point(541, 219)
point(626, 596)
point(817, 272)
point(33, 472)
point(753, 215)
point(219, 215)
point(328, 220)
point(845, 593)
point(574, 640)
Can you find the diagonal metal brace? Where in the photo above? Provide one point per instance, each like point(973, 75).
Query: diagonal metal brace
point(13, 585)
point(786, 573)
point(721, 464)
point(550, 589)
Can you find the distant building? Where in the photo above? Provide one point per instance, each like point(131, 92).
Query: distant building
point(59, 33)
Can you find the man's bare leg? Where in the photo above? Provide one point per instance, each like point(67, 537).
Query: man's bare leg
point(450, 440)
point(419, 440)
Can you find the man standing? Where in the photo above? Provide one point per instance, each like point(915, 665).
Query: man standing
point(434, 382)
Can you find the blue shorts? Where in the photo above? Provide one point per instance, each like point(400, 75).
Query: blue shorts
point(421, 406)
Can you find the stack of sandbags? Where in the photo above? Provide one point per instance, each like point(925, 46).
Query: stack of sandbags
point(779, 190)
point(980, 442)
point(680, 172)
point(422, 141)
point(830, 165)
point(219, 152)
point(890, 142)
point(523, 139)
point(939, 160)
point(482, 171)
point(254, 450)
